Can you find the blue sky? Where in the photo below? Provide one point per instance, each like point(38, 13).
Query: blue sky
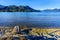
point(36, 4)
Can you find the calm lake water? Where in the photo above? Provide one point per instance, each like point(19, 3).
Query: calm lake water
point(31, 19)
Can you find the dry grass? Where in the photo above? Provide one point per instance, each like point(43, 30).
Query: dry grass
point(40, 31)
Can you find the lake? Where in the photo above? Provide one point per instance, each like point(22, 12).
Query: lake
point(31, 19)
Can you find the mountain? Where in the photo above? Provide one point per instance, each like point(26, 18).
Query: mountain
point(13, 8)
point(51, 10)
point(28, 9)
point(1, 6)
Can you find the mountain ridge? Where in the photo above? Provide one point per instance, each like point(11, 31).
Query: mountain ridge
point(13, 8)
point(21, 8)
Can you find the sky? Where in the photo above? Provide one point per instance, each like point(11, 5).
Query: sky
point(36, 4)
